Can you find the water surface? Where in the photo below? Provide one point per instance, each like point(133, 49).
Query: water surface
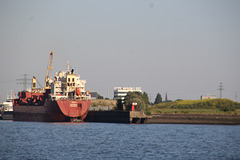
point(35, 140)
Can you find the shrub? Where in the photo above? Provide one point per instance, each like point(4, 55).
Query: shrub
point(147, 112)
point(135, 97)
point(227, 109)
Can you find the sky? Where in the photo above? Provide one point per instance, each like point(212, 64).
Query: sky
point(184, 48)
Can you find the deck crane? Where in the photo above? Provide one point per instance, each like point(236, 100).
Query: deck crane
point(48, 77)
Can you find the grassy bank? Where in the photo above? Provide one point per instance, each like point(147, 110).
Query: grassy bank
point(103, 103)
point(213, 106)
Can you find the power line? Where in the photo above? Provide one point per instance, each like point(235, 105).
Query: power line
point(7, 81)
point(39, 83)
point(24, 81)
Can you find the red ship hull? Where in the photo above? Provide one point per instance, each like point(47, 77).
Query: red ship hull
point(52, 111)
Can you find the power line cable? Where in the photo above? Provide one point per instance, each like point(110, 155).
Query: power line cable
point(24, 81)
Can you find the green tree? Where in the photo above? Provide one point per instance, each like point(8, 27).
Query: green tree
point(135, 97)
point(158, 99)
point(119, 105)
point(145, 98)
point(99, 96)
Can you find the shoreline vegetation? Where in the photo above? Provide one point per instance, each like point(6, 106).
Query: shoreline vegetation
point(206, 107)
point(209, 111)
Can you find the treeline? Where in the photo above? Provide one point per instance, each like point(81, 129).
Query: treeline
point(143, 103)
point(133, 97)
point(159, 99)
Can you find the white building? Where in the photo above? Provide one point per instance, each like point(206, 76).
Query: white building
point(208, 96)
point(121, 92)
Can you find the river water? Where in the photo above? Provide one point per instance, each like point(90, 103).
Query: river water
point(34, 140)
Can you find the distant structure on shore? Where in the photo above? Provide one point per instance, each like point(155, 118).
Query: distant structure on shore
point(166, 99)
point(208, 96)
point(94, 95)
point(121, 92)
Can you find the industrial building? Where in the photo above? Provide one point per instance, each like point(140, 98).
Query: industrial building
point(208, 96)
point(94, 95)
point(121, 92)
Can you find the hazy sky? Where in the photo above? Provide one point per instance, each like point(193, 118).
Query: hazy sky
point(182, 47)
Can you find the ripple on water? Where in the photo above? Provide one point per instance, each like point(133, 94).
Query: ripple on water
point(33, 140)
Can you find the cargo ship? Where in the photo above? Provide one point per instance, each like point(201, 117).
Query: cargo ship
point(63, 99)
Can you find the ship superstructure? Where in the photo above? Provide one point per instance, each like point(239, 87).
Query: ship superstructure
point(68, 85)
point(6, 110)
point(8, 105)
